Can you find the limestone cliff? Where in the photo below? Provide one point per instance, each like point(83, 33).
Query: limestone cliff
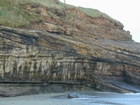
point(71, 47)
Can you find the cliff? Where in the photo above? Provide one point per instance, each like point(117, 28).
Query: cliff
point(68, 46)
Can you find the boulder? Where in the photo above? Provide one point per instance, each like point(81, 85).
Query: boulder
point(73, 95)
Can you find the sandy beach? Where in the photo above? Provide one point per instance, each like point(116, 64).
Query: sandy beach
point(85, 98)
point(40, 99)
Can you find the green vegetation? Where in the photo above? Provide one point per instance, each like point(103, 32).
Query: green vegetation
point(97, 13)
point(14, 14)
point(11, 14)
point(93, 12)
point(52, 3)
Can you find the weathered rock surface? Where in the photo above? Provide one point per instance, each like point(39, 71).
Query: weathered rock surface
point(39, 56)
point(88, 54)
point(132, 77)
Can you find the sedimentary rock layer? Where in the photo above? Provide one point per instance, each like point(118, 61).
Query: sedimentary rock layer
point(68, 46)
point(40, 56)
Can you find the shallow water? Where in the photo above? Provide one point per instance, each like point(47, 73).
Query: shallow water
point(85, 98)
point(108, 98)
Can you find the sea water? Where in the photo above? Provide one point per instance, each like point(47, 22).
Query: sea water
point(85, 98)
point(108, 98)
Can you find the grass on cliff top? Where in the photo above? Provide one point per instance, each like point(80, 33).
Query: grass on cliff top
point(93, 12)
point(13, 14)
point(97, 13)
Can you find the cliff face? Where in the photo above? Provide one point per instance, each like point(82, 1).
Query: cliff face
point(93, 51)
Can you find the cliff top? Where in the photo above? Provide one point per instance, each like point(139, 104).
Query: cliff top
point(57, 17)
point(22, 14)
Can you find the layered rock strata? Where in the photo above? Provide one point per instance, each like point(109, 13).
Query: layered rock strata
point(69, 47)
point(33, 56)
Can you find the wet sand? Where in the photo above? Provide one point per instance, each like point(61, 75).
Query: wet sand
point(85, 98)
point(40, 99)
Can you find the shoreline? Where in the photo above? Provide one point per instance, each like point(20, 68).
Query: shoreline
point(85, 98)
point(15, 90)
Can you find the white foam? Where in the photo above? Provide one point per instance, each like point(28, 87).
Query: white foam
point(132, 93)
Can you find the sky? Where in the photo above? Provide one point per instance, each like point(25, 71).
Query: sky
point(125, 11)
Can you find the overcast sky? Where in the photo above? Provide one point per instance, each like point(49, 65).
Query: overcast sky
point(125, 11)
